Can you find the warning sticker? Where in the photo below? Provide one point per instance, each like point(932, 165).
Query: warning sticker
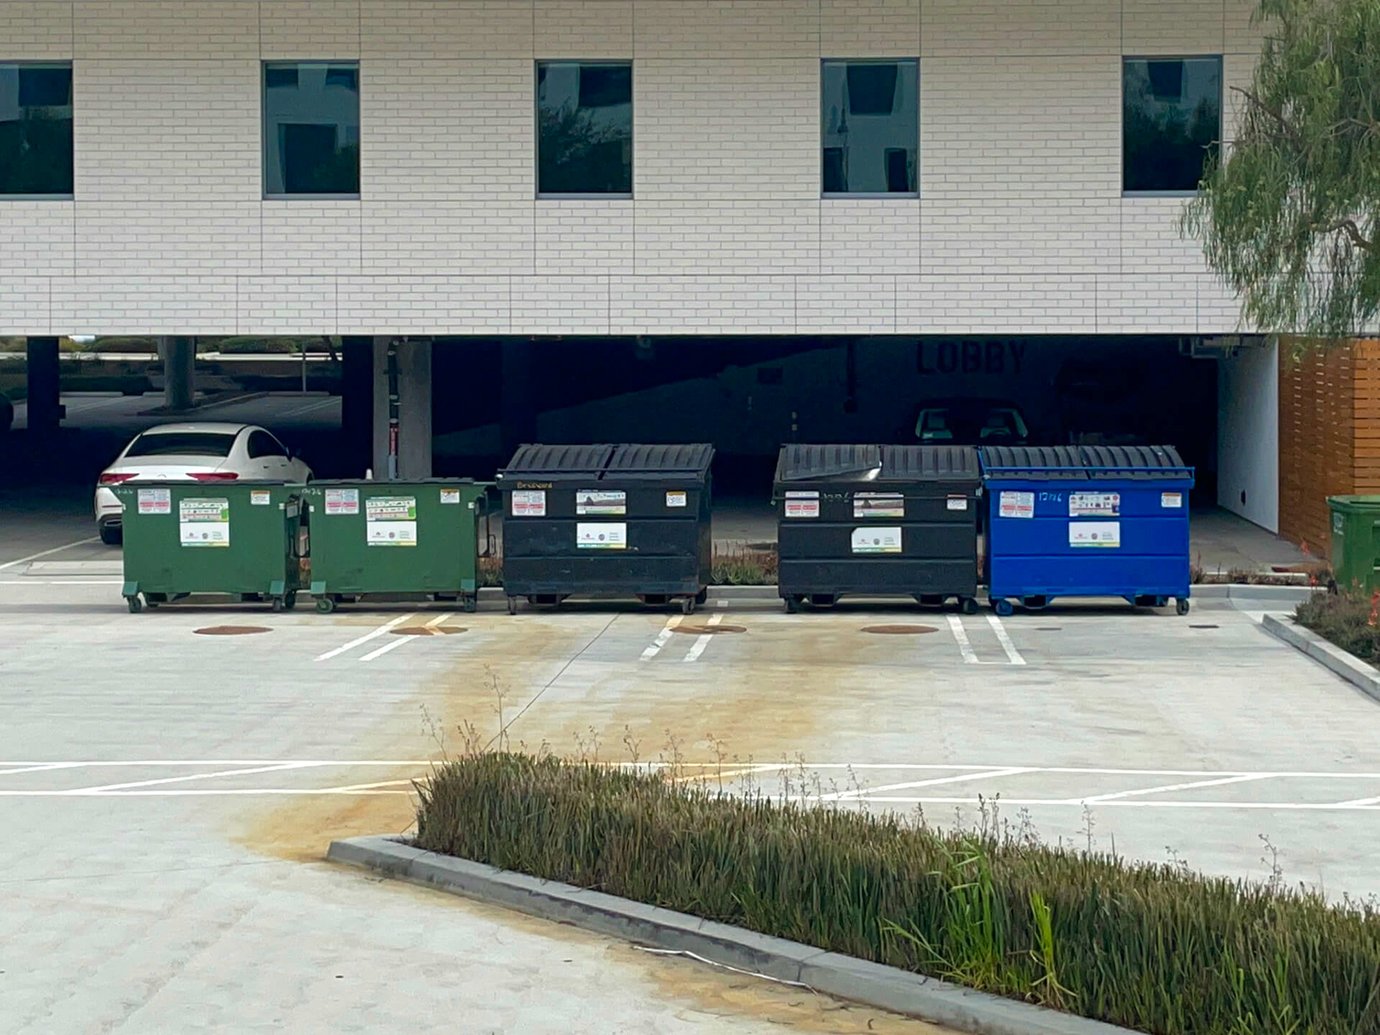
point(1094, 504)
point(1016, 505)
point(390, 521)
point(155, 501)
point(1173, 500)
point(876, 540)
point(204, 522)
point(450, 497)
point(529, 503)
point(802, 504)
point(602, 536)
point(600, 501)
point(958, 503)
point(260, 498)
point(676, 499)
point(342, 501)
point(1105, 534)
point(878, 505)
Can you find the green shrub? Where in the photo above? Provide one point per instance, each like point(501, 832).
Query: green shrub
point(1149, 947)
point(262, 346)
point(1345, 619)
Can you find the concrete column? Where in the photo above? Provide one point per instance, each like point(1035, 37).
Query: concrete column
point(179, 372)
point(517, 405)
point(45, 385)
point(357, 403)
point(412, 360)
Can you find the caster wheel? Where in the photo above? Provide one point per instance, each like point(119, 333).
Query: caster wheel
point(325, 605)
point(687, 605)
point(512, 605)
point(471, 605)
point(969, 606)
point(289, 601)
point(1003, 608)
point(135, 605)
point(278, 605)
point(702, 597)
point(1181, 606)
point(792, 606)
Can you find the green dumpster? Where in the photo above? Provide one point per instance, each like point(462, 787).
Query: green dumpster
point(1356, 541)
point(243, 539)
point(396, 538)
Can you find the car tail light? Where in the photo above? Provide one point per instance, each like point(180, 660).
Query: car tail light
point(116, 479)
point(213, 476)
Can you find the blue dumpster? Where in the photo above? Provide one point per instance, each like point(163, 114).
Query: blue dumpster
point(1086, 521)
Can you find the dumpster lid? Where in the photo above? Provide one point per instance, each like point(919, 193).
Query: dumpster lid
point(1033, 461)
point(632, 459)
point(929, 463)
point(806, 462)
point(1147, 462)
point(534, 460)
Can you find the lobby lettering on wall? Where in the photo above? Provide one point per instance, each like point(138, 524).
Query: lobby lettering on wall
point(970, 356)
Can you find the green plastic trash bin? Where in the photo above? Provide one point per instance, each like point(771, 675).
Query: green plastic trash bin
point(242, 539)
point(396, 538)
point(1356, 541)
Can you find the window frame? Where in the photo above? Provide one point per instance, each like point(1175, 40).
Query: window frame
point(264, 193)
point(1121, 118)
point(71, 67)
point(919, 167)
point(537, 192)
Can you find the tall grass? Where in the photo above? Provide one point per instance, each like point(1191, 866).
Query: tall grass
point(1150, 947)
point(1350, 619)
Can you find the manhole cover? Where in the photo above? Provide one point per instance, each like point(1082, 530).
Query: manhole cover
point(428, 630)
point(708, 630)
point(232, 630)
point(898, 630)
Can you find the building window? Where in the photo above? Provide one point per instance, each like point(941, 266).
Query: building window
point(870, 127)
point(584, 128)
point(36, 130)
point(311, 129)
point(1171, 122)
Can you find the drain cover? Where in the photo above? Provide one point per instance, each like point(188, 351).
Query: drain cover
point(708, 630)
point(1049, 628)
point(1202, 627)
point(428, 630)
point(899, 630)
point(232, 630)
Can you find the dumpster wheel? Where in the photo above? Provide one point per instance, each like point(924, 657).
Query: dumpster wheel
point(792, 605)
point(512, 605)
point(1181, 605)
point(135, 604)
point(1002, 607)
point(471, 605)
point(325, 605)
point(968, 606)
point(687, 605)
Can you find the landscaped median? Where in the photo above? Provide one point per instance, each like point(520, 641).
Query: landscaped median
point(1340, 631)
point(1152, 948)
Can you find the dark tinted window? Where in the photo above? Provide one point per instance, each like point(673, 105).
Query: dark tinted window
point(36, 129)
point(262, 444)
point(584, 127)
point(870, 124)
point(182, 443)
point(1171, 121)
point(311, 128)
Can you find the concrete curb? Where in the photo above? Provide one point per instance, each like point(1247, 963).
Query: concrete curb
point(1348, 666)
point(844, 977)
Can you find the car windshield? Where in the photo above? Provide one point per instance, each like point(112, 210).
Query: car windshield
point(957, 424)
point(182, 443)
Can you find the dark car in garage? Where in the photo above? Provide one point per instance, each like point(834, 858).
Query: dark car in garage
point(967, 422)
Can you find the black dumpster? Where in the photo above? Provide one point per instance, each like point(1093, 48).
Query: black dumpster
point(607, 520)
point(877, 521)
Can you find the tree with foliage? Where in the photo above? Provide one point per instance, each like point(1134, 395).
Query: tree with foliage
point(1291, 218)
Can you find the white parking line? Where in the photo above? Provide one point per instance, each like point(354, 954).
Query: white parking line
point(45, 553)
point(45, 767)
point(697, 648)
point(864, 793)
point(402, 640)
point(365, 638)
point(662, 638)
point(964, 646)
point(309, 407)
point(1246, 778)
point(277, 768)
point(1012, 654)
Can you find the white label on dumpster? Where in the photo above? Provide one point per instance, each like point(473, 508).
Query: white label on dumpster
point(876, 540)
point(601, 536)
point(802, 504)
point(958, 503)
point(451, 496)
point(593, 502)
point(155, 501)
point(529, 503)
point(342, 501)
point(1094, 504)
point(676, 499)
point(260, 498)
point(1173, 500)
point(204, 522)
point(878, 505)
point(1016, 505)
point(1104, 534)
point(390, 521)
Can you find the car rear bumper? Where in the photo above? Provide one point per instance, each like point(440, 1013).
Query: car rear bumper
point(109, 513)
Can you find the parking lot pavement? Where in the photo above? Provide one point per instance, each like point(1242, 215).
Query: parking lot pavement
point(169, 782)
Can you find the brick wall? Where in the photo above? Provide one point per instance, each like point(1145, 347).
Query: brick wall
point(1021, 226)
point(1329, 434)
